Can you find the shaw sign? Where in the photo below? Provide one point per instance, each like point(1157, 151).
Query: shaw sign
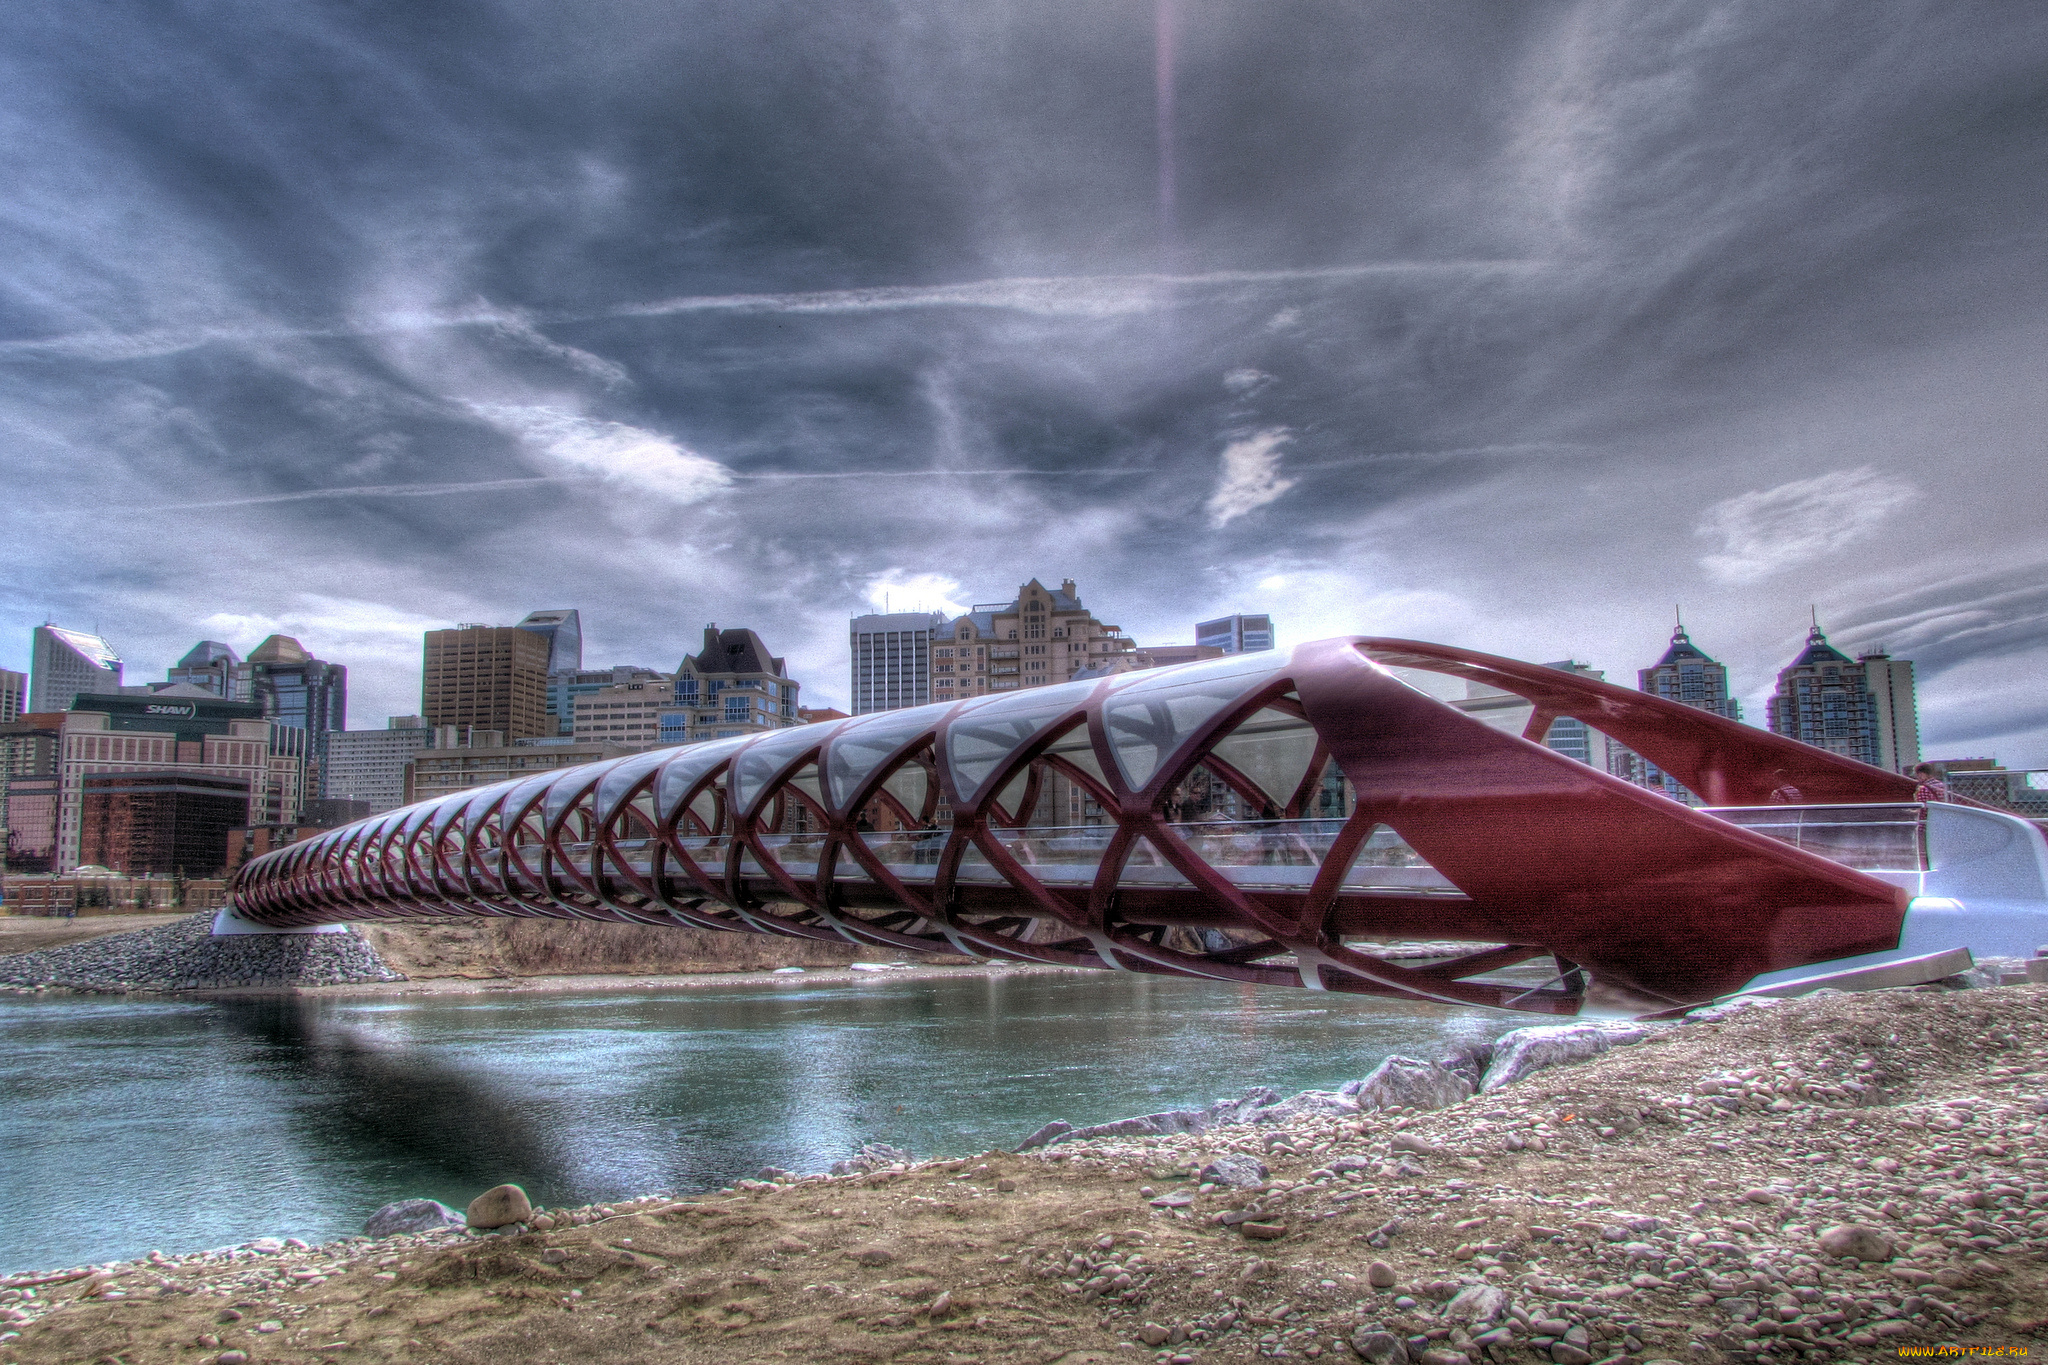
point(188, 710)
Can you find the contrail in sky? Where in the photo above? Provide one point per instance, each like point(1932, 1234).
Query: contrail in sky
point(431, 490)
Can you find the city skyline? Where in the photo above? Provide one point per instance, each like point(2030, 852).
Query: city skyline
point(1501, 327)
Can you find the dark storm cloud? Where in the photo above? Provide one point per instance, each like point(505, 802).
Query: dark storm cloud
point(1503, 324)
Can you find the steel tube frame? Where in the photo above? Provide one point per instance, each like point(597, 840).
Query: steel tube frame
point(1662, 905)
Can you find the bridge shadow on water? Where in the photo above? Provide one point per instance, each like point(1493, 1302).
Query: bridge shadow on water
point(377, 1102)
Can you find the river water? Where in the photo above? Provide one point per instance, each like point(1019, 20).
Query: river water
point(127, 1125)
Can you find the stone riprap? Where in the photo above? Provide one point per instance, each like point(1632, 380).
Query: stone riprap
point(185, 956)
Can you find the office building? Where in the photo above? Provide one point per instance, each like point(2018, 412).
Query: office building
point(29, 749)
point(65, 664)
point(298, 690)
point(627, 713)
point(733, 686)
point(437, 772)
point(487, 677)
point(892, 659)
point(1040, 636)
point(565, 687)
point(369, 765)
point(13, 696)
point(1862, 709)
point(213, 667)
point(192, 735)
point(144, 824)
point(562, 628)
point(29, 812)
point(1236, 634)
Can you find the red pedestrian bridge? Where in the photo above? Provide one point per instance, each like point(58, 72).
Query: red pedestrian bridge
point(1274, 818)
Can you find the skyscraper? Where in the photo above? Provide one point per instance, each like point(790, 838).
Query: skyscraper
point(1862, 709)
point(1685, 674)
point(892, 659)
point(1238, 634)
point(214, 667)
point(13, 695)
point(299, 690)
point(562, 628)
point(369, 765)
point(487, 678)
point(65, 663)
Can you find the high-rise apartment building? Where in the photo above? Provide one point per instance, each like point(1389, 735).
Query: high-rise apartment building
point(892, 659)
point(1238, 634)
point(178, 736)
point(13, 696)
point(487, 677)
point(1685, 674)
point(65, 664)
point(733, 686)
point(369, 765)
point(562, 628)
point(1040, 636)
point(1862, 709)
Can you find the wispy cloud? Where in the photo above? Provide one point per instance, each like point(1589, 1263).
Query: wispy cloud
point(1250, 476)
point(1768, 531)
point(646, 461)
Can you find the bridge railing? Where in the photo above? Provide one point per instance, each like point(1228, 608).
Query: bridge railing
point(1884, 837)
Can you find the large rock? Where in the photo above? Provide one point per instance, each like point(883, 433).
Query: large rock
point(1235, 1169)
point(499, 1207)
point(1144, 1125)
point(1478, 1304)
point(1529, 1050)
point(872, 1156)
point(1855, 1239)
point(1309, 1103)
point(1052, 1132)
point(1377, 1346)
point(411, 1215)
point(1404, 1082)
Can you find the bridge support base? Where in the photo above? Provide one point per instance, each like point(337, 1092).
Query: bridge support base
point(226, 922)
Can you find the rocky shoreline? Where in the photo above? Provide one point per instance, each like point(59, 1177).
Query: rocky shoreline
point(1836, 1177)
point(184, 956)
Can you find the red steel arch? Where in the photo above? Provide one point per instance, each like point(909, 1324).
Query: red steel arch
point(1259, 818)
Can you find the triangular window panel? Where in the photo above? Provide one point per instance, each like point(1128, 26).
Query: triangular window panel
point(1145, 865)
point(1386, 862)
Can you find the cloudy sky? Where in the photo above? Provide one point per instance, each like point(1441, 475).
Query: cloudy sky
point(1508, 325)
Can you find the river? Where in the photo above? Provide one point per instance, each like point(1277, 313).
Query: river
point(132, 1124)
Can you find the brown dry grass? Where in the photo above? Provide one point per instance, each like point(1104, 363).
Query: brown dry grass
point(537, 947)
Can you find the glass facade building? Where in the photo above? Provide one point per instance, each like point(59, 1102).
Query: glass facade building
point(65, 664)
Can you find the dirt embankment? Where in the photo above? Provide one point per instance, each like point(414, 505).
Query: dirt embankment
point(489, 948)
point(33, 933)
point(1674, 1200)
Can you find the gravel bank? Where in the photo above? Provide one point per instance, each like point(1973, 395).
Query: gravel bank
point(184, 956)
point(1680, 1198)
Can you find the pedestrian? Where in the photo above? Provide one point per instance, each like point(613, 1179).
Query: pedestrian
point(1930, 786)
point(1783, 793)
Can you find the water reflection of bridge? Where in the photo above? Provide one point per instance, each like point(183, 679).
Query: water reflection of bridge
point(1259, 818)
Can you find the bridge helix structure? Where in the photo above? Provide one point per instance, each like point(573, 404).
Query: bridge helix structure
point(1276, 818)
